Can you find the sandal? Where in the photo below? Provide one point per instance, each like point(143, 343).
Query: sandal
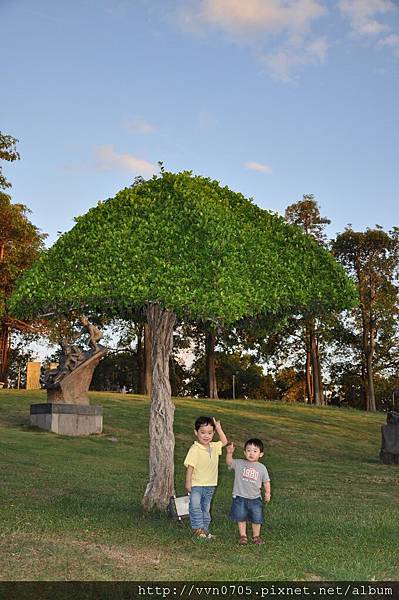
point(243, 540)
point(199, 533)
point(257, 540)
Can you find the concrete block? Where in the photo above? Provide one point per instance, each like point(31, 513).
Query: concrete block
point(67, 419)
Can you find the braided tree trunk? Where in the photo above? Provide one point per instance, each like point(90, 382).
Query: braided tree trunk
point(162, 440)
point(147, 360)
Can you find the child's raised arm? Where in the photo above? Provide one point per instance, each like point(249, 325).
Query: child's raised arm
point(229, 456)
point(220, 432)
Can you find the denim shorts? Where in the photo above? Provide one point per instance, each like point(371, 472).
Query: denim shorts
point(246, 509)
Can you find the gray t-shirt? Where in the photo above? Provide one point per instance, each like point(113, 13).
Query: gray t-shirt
point(248, 478)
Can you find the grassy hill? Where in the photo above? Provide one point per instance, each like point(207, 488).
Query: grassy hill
point(70, 507)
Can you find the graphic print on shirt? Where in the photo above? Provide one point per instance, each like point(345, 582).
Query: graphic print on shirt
point(250, 474)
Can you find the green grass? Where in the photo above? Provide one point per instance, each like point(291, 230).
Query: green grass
point(70, 508)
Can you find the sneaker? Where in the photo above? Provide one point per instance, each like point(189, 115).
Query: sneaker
point(257, 540)
point(199, 533)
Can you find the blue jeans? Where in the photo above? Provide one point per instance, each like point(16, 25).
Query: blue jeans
point(200, 505)
point(246, 509)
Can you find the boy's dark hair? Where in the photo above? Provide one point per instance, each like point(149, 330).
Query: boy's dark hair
point(203, 421)
point(254, 442)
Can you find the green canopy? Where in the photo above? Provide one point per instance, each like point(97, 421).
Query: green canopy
point(189, 245)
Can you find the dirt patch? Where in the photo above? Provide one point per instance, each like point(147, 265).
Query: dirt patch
point(313, 577)
point(382, 479)
point(29, 557)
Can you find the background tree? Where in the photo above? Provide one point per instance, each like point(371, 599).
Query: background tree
point(250, 381)
point(19, 355)
point(120, 369)
point(291, 385)
point(8, 152)
point(204, 337)
point(306, 214)
point(131, 334)
point(116, 371)
point(372, 259)
point(180, 247)
point(20, 245)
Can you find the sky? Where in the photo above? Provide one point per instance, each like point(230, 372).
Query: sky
point(273, 98)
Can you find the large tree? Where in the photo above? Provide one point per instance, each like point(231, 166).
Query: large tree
point(180, 247)
point(20, 244)
point(372, 259)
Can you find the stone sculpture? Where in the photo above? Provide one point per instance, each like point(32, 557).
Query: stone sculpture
point(68, 409)
point(389, 453)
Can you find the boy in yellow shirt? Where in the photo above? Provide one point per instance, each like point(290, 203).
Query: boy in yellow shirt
point(202, 463)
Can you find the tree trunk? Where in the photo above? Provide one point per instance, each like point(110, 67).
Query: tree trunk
point(148, 358)
point(140, 362)
point(369, 368)
point(370, 385)
point(321, 387)
point(4, 352)
point(367, 361)
point(160, 487)
point(210, 343)
point(315, 367)
point(364, 385)
point(308, 372)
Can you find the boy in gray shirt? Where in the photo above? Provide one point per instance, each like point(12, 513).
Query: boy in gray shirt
point(249, 477)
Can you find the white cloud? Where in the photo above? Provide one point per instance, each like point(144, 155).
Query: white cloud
point(317, 49)
point(139, 125)
point(256, 166)
point(362, 15)
point(391, 40)
point(365, 18)
point(108, 160)
point(280, 31)
point(289, 59)
point(264, 16)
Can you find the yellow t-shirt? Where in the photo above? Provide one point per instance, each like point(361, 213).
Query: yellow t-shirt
point(205, 462)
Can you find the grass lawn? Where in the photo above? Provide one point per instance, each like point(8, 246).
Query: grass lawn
point(70, 508)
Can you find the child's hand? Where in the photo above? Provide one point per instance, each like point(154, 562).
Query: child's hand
point(216, 424)
point(230, 448)
point(219, 431)
point(267, 498)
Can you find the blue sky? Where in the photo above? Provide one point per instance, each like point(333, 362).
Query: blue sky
point(274, 98)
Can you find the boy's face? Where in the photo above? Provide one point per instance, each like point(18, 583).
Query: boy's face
point(205, 434)
point(252, 453)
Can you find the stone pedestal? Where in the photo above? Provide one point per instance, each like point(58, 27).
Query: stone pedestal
point(67, 419)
